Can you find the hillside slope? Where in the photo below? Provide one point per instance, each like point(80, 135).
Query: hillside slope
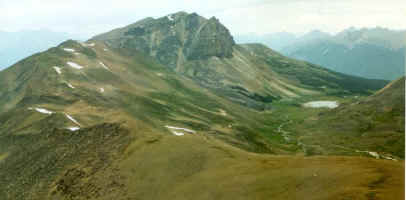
point(359, 125)
point(97, 121)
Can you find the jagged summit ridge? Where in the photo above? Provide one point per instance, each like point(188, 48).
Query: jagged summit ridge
point(174, 38)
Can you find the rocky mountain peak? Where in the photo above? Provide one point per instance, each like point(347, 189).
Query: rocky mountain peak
point(174, 38)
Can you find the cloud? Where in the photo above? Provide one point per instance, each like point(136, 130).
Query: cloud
point(241, 16)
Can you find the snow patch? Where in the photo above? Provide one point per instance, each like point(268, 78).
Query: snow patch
point(58, 70)
point(74, 65)
point(73, 129)
point(388, 158)
point(69, 50)
point(223, 112)
point(170, 17)
point(101, 90)
point(105, 49)
point(175, 130)
point(69, 85)
point(72, 119)
point(41, 110)
point(321, 104)
point(104, 66)
point(373, 154)
point(88, 44)
point(178, 133)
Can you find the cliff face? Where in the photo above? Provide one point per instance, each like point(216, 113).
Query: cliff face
point(212, 39)
point(175, 38)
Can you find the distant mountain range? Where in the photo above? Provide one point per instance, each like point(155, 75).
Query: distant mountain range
point(15, 46)
point(368, 52)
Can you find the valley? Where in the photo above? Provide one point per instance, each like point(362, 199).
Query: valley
point(173, 108)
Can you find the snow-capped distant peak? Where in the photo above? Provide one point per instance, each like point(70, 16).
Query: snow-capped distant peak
point(74, 65)
point(58, 70)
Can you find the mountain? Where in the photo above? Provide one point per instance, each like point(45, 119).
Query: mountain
point(371, 53)
point(173, 108)
point(204, 51)
point(376, 53)
point(15, 46)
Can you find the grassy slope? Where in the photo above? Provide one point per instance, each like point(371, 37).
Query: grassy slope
point(140, 158)
point(110, 162)
point(374, 123)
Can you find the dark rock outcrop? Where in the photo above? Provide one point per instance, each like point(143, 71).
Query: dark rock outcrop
point(175, 38)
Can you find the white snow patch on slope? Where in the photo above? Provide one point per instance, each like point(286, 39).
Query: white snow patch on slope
point(58, 70)
point(69, 50)
point(69, 85)
point(72, 119)
point(41, 110)
point(177, 133)
point(104, 66)
point(74, 65)
point(321, 104)
point(88, 44)
point(105, 49)
point(170, 18)
point(373, 154)
point(74, 128)
point(101, 90)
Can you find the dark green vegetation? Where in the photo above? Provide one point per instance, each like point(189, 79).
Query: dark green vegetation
point(358, 126)
point(241, 106)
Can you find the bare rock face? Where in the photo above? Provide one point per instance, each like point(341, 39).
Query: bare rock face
point(212, 39)
point(175, 38)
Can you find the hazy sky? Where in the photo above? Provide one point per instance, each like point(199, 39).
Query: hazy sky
point(89, 17)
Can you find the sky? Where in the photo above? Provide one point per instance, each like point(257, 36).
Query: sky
point(91, 17)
